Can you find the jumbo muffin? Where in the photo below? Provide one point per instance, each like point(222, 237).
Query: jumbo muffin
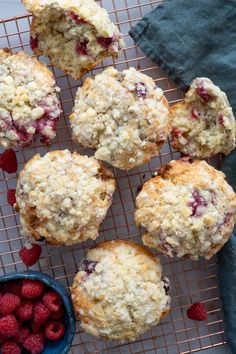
point(203, 124)
point(188, 210)
point(119, 291)
point(28, 102)
point(63, 197)
point(122, 115)
point(75, 34)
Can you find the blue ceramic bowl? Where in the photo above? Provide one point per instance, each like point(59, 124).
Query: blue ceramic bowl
point(61, 346)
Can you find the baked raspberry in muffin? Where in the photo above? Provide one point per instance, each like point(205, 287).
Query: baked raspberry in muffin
point(75, 34)
point(188, 210)
point(123, 115)
point(203, 124)
point(28, 102)
point(119, 291)
point(63, 197)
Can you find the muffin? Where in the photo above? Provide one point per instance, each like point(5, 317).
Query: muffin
point(63, 197)
point(28, 102)
point(119, 291)
point(188, 210)
point(75, 34)
point(123, 116)
point(203, 124)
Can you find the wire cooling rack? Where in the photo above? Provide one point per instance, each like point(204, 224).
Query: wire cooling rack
point(191, 281)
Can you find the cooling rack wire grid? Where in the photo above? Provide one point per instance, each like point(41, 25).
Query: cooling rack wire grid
point(191, 281)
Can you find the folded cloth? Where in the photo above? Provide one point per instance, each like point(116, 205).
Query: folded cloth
point(192, 38)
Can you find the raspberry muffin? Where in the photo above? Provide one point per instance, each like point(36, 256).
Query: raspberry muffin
point(119, 292)
point(28, 102)
point(203, 124)
point(75, 34)
point(63, 197)
point(188, 210)
point(122, 115)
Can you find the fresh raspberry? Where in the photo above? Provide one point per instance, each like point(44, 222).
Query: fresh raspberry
point(197, 312)
point(9, 326)
point(9, 302)
point(32, 288)
point(52, 300)
point(13, 287)
point(54, 330)
point(31, 255)
point(24, 333)
point(8, 161)
point(57, 315)
point(40, 313)
point(36, 327)
point(2, 339)
point(34, 343)
point(10, 347)
point(25, 311)
point(11, 196)
point(20, 322)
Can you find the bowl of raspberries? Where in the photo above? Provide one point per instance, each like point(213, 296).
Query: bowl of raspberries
point(36, 315)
